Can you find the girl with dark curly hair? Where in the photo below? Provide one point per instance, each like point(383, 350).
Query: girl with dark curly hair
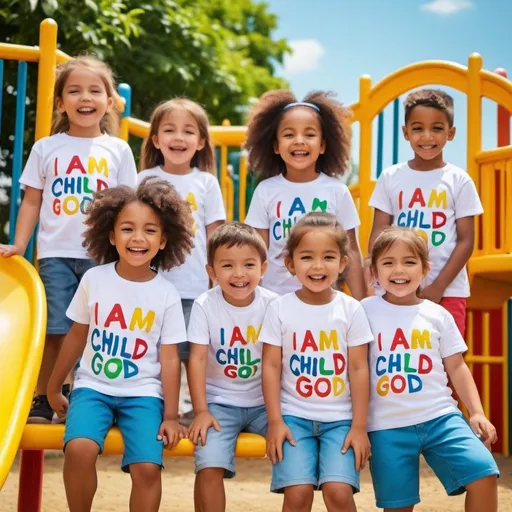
point(127, 322)
point(300, 149)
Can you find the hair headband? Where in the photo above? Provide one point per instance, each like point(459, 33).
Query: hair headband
point(301, 104)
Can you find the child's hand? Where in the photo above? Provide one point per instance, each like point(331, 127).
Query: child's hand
point(483, 428)
point(277, 433)
point(431, 292)
point(10, 250)
point(199, 428)
point(59, 403)
point(170, 433)
point(358, 439)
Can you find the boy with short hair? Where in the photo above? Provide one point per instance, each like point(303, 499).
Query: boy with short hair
point(433, 196)
point(225, 358)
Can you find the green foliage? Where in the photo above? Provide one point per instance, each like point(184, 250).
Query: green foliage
point(221, 53)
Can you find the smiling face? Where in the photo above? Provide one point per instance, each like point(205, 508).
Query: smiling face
point(138, 236)
point(85, 101)
point(237, 270)
point(178, 138)
point(428, 131)
point(300, 141)
point(399, 271)
point(317, 263)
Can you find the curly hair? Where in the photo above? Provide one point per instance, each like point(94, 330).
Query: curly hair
point(151, 156)
point(263, 126)
point(110, 122)
point(433, 98)
point(174, 213)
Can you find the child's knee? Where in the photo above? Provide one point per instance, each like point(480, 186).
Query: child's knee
point(84, 450)
point(299, 497)
point(211, 475)
point(338, 496)
point(145, 473)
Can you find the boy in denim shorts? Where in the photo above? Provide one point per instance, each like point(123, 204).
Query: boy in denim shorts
point(225, 358)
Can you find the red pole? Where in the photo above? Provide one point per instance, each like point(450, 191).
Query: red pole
point(503, 118)
point(31, 481)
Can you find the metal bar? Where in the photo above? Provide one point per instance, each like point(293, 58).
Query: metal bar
point(31, 481)
point(396, 128)
point(380, 143)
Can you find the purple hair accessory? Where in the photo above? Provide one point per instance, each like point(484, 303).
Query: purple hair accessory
point(301, 104)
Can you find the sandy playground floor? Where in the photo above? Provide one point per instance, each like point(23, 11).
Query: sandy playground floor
point(248, 492)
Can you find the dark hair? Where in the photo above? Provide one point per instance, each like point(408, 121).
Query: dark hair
point(409, 237)
point(239, 234)
point(110, 121)
point(315, 220)
point(174, 213)
point(151, 156)
point(433, 98)
point(264, 122)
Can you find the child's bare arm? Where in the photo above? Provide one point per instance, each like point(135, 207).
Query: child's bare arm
point(456, 262)
point(212, 227)
point(355, 275)
point(265, 235)
point(359, 378)
point(71, 350)
point(381, 220)
point(465, 387)
point(271, 380)
point(27, 220)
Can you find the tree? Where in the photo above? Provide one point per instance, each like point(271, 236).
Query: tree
point(220, 53)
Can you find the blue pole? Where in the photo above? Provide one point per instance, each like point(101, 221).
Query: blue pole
point(380, 143)
point(396, 129)
point(17, 159)
point(125, 91)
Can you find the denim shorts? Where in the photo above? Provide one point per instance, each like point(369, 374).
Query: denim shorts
point(219, 451)
point(317, 457)
point(61, 277)
point(91, 414)
point(450, 448)
point(184, 347)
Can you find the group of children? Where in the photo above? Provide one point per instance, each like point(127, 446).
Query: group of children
point(272, 347)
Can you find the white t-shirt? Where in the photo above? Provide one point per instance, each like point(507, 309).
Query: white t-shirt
point(127, 323)
point(315, 342)
point(69, 170)
point(409, 384)
point(202, 191)
point(233, 374)
point(430, 201)
point(278, 204)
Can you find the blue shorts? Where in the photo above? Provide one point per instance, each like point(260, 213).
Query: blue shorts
point(219, 451)
point(184, 348)
point(317, 458)
point(450, 448)
point(91, 414)
point(61, 277)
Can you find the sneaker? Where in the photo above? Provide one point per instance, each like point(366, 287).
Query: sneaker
point(41, 411)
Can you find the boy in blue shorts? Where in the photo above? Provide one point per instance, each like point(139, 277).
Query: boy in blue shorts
point(225, 358)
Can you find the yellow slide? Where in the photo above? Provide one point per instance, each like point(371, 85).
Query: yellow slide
point(22, 333)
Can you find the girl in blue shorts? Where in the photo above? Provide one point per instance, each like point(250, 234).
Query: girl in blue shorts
point(417, 347)
point(127, 322)
point(315, 374)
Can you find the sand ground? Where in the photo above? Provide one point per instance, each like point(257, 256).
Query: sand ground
point(248, 492)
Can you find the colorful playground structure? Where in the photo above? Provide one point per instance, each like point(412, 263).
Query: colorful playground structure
point(489, 330)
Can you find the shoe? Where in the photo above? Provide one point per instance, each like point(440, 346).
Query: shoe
point(41, 411)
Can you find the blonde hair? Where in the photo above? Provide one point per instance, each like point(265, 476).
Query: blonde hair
point(110, 122)
point(151, 156)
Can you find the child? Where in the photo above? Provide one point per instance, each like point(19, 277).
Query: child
point(225, 358)
point(301, 149)
point(434, 196)
point(179, 150)
point(315, 374)
point(62, 173)
point(127, 322)
point(417, 343)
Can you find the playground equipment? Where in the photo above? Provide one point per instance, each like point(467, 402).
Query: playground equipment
point(490, 268)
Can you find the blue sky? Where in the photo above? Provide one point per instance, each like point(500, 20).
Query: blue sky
point(337, 41)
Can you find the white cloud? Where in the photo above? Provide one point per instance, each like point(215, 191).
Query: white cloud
point(306, 54)
point(447, 7)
